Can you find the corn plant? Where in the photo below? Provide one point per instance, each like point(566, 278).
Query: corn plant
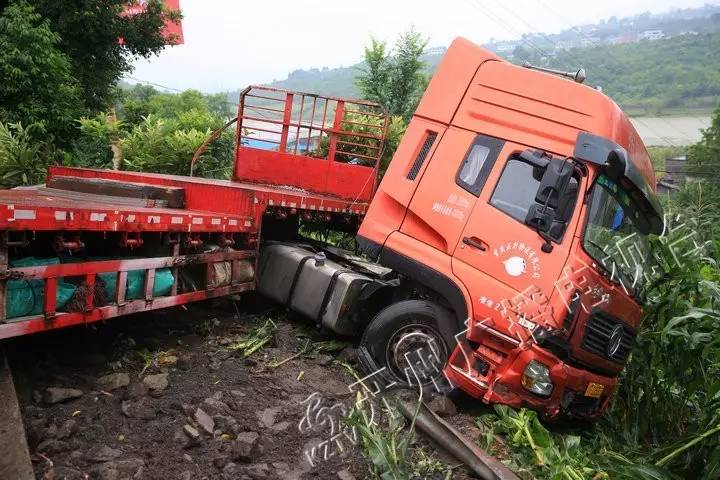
point(256, 339)
point(387, 447)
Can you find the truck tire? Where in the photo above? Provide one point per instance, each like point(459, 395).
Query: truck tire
point(407, 343)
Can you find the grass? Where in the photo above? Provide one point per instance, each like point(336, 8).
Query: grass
point(154, 359)
point(256, 339)
point(389, 444)
point(664, 421)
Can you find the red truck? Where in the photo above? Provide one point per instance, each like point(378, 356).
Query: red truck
point(488, 247)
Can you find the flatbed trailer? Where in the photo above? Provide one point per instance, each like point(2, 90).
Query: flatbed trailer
point(312, 156)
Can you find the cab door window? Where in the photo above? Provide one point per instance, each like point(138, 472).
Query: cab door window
point(515, 193)
point(478, 163)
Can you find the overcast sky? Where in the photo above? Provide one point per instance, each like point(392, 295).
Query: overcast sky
point(233, 43)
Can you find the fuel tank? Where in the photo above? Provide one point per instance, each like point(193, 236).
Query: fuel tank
point(309, 283)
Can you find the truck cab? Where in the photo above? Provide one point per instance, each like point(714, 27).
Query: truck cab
point(517, 209)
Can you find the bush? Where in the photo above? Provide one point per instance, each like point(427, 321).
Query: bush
point(23, 159)
point(168, 145)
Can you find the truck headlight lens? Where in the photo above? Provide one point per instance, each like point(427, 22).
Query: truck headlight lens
point(536, 379)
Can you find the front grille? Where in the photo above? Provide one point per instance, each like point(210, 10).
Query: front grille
point(608, 337)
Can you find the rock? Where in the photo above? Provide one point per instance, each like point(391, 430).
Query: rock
point(267, 416)
point(101, 454)
point(37, 430)
point(348, 355)
point(121, 469)
point(54, 395)
point(258, 471)
point(192, 433)
point(345, 475)
point(156, 383)
point(53, 447)
point(246, 447)
point(227, 424)
point(220, 461)
point(188, 458)
point(181, 438)
point(324, 359)
point(204, 420)
point(214, 405)
point(136, 390)
point(184, 362)
point(280, 467)
point(113, 381)
point(67, 430)
point(237, 393)
point(443, 406)
point(138, 409)
point(67, 473)
point(186, 475)
point(281, 427)
point(232, 471)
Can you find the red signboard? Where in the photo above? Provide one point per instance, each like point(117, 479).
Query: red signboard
point(172, 30)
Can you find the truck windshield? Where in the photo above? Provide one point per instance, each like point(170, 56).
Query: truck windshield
point(612, 239)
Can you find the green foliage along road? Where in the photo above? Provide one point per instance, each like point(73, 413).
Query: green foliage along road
point(676, 74)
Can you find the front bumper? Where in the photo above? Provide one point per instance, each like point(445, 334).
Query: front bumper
point(494, 374)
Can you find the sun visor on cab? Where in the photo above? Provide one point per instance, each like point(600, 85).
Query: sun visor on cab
point(619, 167)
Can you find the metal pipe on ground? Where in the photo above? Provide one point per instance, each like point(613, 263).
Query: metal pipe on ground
point(482, 464)
point(15, 458)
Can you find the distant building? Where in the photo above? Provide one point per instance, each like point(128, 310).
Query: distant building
point(651, 35)
point(505, 47)
point(567, 44)
point(624, 38)
point(435, 51)
point(675, 175)
point(589, 42)
point(666, 188)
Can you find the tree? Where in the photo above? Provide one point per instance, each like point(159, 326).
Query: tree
point(38, 87)
point(89, 33)
point(705, 155)
point(395, 78)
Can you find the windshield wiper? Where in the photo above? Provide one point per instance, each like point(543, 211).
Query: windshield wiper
point(616, 267)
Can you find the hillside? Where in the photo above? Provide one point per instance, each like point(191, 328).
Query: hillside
point(676, 73)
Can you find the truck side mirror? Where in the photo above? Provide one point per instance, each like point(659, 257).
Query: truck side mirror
point(551, 200)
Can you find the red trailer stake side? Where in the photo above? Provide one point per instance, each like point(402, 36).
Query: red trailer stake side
point(297, 153)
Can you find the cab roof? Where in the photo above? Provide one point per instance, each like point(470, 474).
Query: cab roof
point(475, 89)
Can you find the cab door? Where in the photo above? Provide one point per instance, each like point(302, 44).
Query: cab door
point(448, 190)
point(498, 255)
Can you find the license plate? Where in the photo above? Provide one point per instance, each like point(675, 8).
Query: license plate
point(594, 390)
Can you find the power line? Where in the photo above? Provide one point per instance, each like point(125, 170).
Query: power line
point(495, 18)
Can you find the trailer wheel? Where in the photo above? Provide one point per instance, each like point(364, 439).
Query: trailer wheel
point(408, 343)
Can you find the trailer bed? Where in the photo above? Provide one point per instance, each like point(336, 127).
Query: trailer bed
point(323, 166)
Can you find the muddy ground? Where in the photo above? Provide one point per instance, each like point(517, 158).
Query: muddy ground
point(168, 395)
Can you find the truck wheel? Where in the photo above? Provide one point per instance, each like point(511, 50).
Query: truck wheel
point(412, 340)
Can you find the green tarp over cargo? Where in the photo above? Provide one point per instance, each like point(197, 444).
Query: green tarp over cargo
point(136, 283)
point(26, 297)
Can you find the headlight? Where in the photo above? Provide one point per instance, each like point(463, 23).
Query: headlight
point(536, 379)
